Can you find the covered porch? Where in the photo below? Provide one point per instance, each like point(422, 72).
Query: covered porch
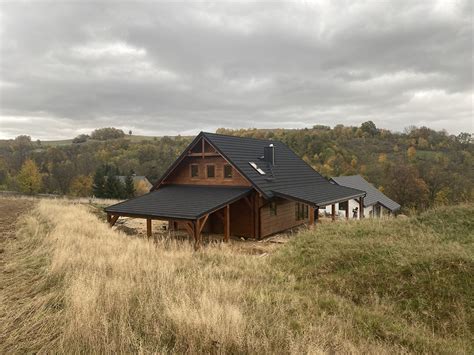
point(320, 196)
point(195, 209)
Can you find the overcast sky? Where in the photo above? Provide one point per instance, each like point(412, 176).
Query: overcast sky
point(161, 68)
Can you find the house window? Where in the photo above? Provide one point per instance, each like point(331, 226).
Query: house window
point(194, 170)
point(301, 211)
point(227, 171)
point(211, 171)
point(273, 209)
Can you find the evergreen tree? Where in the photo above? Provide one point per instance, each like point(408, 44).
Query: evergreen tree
point(129, 186)
point(98, 186)
point(113, 187)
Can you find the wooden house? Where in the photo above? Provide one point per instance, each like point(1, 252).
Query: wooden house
point(235, 186)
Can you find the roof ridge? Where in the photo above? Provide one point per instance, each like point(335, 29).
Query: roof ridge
point(240, 137)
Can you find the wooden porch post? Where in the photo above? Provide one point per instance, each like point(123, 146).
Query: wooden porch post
point(316, 214)
point(361, 208)
point(347, 210)
point(111, 219)
point(197, 234)
point(226, 223)
point(333, 212)
point(148, 227)
point(311, 216)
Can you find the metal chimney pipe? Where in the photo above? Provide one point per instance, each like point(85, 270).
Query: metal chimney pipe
point(269, 154)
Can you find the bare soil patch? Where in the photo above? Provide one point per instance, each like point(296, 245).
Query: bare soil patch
point(10, 210)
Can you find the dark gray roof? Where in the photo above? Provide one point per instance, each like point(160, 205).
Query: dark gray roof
point(373, 194)
point(290, 175)
point(322, 196)
point(179, 201)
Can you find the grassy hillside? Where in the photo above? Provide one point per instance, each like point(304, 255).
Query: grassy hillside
point(71, 284)
point(65, 142)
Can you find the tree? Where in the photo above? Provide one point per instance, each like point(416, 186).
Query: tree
point(369, 127)
point(129, 186)
point(113, 188)
point(130, 132)
point(82, 138)
point(63, 173)
point(98, 186)
point(29, 178)
point(406, 187)
point(81, 186)
point(411, 153)
point(103, 134)
point(142, 188)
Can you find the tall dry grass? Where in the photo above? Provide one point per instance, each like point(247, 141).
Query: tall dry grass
point(71, 284)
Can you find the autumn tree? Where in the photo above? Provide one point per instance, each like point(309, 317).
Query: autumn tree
point(142, 188)
point(406, 187)
point(411, 153)
point(29, 178)
point(81, 186)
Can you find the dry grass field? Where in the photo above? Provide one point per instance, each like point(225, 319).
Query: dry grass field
point(69, 283)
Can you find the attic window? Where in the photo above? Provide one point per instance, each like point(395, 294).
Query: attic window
point(253, 165)
point(227, 171)
point(211, 171)
point(194, 170)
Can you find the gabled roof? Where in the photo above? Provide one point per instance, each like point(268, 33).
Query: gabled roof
point(179, 201)
point(373, 194)
point(290, 176)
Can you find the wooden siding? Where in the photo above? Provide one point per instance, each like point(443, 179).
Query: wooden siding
point(284, 219)
point(182, 173)
point(241, 219)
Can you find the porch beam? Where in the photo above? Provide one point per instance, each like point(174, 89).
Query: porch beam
point(111, 219)
point(189, 228)
point(202, 222)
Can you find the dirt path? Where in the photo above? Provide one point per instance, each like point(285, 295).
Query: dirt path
point(10, 210)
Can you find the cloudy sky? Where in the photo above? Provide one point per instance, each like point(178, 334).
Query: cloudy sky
point(161, 68)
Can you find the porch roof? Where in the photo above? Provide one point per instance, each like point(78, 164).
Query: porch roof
point(319, 195)
point(179, 202)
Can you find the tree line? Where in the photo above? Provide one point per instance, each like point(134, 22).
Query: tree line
point(418, 168)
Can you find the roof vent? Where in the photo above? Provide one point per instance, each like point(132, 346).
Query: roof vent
point(269, 154)
point(253, 165)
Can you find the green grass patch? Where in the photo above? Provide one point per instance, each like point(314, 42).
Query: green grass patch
point(406, 281)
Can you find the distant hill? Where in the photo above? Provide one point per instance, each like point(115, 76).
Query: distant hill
point(131, 138)
point(418, 168)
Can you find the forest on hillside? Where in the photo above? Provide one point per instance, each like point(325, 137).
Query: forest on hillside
point(418, 168)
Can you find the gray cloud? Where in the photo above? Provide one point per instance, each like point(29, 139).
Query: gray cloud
point(161, 68)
